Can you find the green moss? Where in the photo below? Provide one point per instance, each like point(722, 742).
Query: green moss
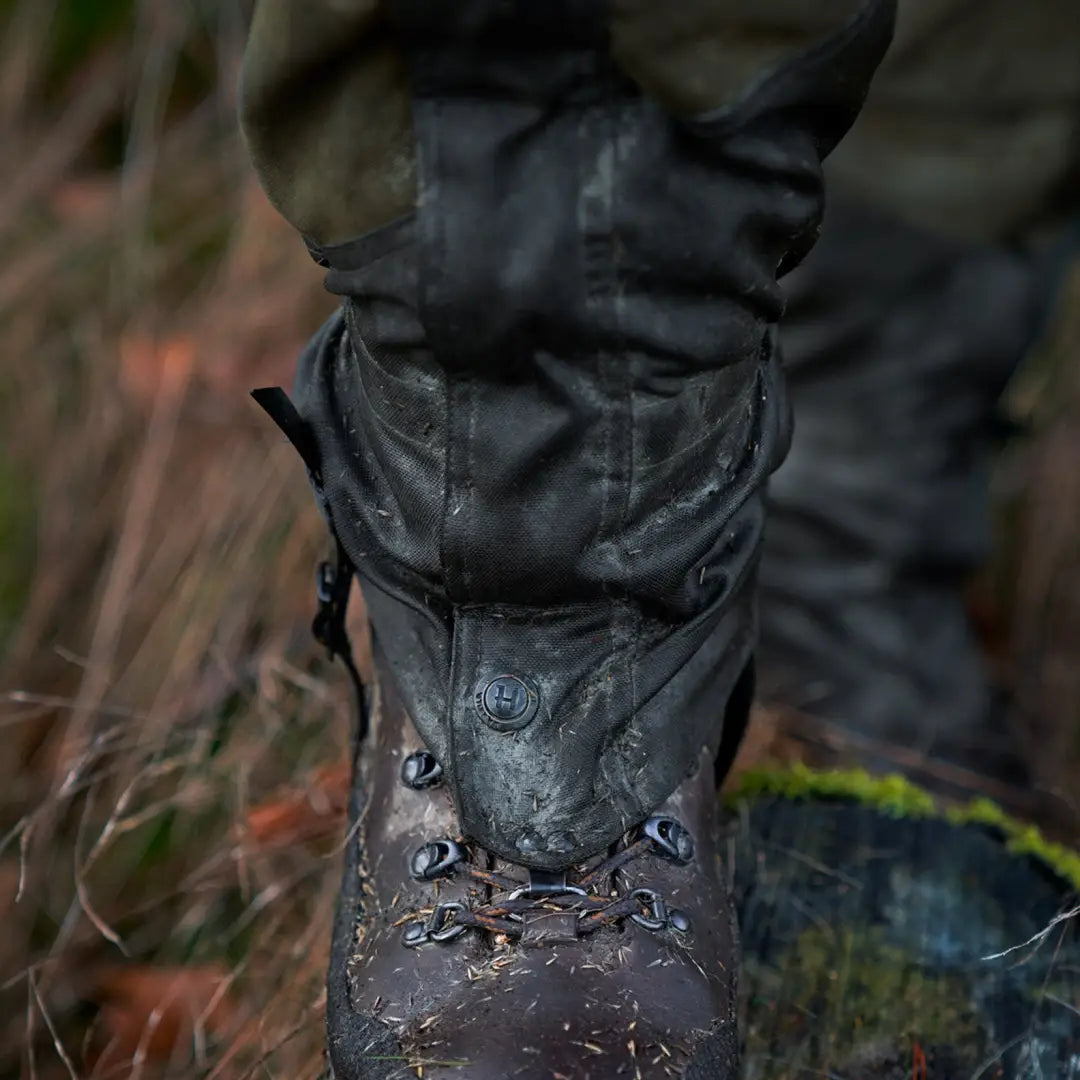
point(835, 1001)
point(899, 797)
point(1020, 837)
point(893, 795)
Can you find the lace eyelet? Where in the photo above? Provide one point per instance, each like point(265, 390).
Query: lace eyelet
point(657, 917)
point(671, 839)
point(441, 926)
point(435, 860)
point(679, 921)
point(421, 770)
point(414, 935)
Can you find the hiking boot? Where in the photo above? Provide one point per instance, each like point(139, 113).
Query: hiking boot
point(452, 960)
point(539, 429)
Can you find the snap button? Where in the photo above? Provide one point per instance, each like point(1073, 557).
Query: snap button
point(507, 702)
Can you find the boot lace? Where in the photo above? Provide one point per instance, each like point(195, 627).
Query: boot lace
point(514, 900)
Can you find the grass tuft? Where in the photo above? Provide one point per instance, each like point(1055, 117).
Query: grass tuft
point(157, 684)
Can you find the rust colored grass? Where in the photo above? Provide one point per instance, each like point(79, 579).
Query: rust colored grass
point(171, 777)
point(158, 691)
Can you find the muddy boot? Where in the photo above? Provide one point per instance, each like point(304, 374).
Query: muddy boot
point(539, 429)
point(449, 958)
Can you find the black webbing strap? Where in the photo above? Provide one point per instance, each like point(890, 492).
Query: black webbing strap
point(276, 404)
point(333, 580)
point(333, 583)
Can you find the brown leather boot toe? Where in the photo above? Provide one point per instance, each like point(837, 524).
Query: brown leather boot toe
point(450, 963)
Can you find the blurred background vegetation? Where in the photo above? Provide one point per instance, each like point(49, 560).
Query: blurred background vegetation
point(172, 777)
point(171, 786)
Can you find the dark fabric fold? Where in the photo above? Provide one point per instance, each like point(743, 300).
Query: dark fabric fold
point(547, 416)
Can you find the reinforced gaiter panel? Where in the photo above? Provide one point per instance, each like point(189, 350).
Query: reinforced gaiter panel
point(548, 410)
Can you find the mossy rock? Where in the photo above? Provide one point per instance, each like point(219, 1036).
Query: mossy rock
point(870, 937)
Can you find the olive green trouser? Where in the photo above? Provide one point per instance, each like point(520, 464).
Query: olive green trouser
point(972, 126)
point(326, 100)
